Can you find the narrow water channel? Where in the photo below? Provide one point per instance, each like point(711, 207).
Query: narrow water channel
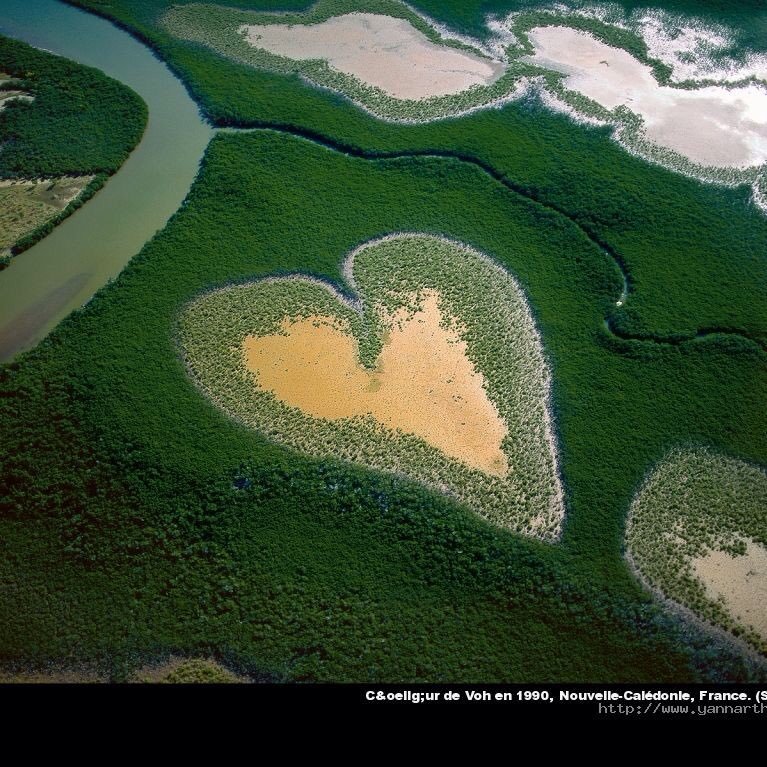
point(44, 284)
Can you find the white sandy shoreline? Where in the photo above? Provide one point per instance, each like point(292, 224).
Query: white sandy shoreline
point(712, 126)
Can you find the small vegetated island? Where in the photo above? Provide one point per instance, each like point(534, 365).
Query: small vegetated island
point(64, 129)
point(438, 373)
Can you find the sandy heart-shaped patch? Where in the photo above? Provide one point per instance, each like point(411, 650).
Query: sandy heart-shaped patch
point(423, 382)
point(435, 371)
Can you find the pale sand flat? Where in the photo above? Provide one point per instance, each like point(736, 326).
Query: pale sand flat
point(741, 581)
point(25, 205)
point(382, 51)
point(712, 126)
point(423, 384)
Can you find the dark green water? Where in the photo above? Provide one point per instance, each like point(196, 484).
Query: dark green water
point(59, 274)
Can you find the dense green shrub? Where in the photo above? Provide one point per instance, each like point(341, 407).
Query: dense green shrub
point(694, 253)
point(137, 516)
point(78, 122)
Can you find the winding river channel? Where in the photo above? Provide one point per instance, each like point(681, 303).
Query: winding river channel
point(59, 274)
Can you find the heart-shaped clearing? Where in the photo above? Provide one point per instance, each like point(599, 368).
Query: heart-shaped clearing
point(437, 373)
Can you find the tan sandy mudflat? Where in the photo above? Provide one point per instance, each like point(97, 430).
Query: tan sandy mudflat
point(423, 384)
point(741, 581)
point(388, 53)
point(712, 126)
point(25, 205)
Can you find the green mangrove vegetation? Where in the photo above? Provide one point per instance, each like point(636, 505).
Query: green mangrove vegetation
point(138, 519)
point(76, 122)
point(692, 251)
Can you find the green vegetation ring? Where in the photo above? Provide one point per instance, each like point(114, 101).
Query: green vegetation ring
point(483, 366)
point(697, 533)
